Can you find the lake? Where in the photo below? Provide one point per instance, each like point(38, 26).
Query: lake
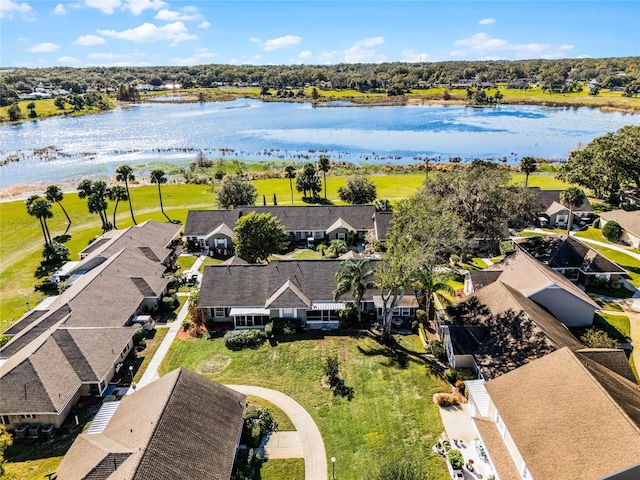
point(93, 145)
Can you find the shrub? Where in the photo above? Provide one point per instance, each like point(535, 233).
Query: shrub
point(186, 324)
point(437, 349)
point(594, 338)
point(446, 400)
point(348, 317)
point(240, 339)
point(287, 325)
point(138, 335)
point(141, 345)
point(4, 339)
point(452, 375)
point(268, 329)
point(258, 422)
point(612, 231)
point(380, 246)
point(166, 304)
point(456, 459)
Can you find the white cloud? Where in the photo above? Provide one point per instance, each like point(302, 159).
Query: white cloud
point(185, 15)
point(277, 43)
point(481, 44)
point(89, 40)
point(116, 56)
point(69, 60)
point(8, 8)
point(175, 32)
point(584, 56)
point(138, 6)
point(59, 10)
point(487, 21)
point(204, 24)
point(21, 39)
point(43, 48)
point(196, 59)
point(233, 61)
point(412, 57)
point(305, 54)
point(327, 57)
point(370, 42)
point(105, 6)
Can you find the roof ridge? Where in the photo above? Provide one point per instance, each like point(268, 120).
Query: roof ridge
point(591, 375)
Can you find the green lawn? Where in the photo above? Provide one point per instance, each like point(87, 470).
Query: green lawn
point(282, 468)
point(45, 108)
point(149, 351)
point(284, 422)
point(619, 323)
point(186, 261)
point(391, 414)
point(544, 180)
point(592, 233)
point(210, 261)
point(630, 264)
point(306, 254)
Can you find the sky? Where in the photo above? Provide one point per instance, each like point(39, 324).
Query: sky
point(78, 33)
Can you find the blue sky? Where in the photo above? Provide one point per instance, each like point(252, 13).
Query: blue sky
point(44, 33)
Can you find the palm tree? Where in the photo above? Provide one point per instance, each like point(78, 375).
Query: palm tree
point(324, 167)
point(158, 177)
point(527, 166)
point(290, 172)
point(54, 194)
point(430, 281)
point(41, 209)
point(124, 173)
point(118, 194)
point(96, 193)
point(572, 197)
point(355, 276)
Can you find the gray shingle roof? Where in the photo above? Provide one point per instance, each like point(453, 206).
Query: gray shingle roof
point(25, 322)
point(152, 422)
point(630, 221)
point(547, 197)
point(21, 341)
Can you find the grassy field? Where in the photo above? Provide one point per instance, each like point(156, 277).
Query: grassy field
point(281, 468)
point(45, 108)
point(391, 414)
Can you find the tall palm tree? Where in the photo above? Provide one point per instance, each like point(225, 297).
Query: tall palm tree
point(429, 281)
point(97, 204)
point(96, 193)
point(54, 194)
point(158, 177)
point(118, 194)
point(527, 166)
point(572, 197)
point(290, 173)
point(124, 173)
point(355, 276)
point(324, 167)
point(41, 209)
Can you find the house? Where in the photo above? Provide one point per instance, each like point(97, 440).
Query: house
point(498, 329)
point(562, 416)
point(540, 283)
point(213, 229)
point(553, 214)
point(149, 435)
point(250, 295)
point(572, 258)
point(71, 345)
point(629, 221)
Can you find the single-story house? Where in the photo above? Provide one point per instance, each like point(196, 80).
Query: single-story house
point(630, 223)
point(553, 214)
point(213, 229)
point(248, 296)
point(572, 258)
point(562, 416)
point(540, 283)
point(181, 426)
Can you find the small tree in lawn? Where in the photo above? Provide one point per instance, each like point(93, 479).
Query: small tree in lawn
point(358, 191)
point(612, 231)
point(258, 235)
point(195, 314)
point(324, 166)
point(158, 177)
point(527, 166)
point(572, 197)
point(355, 276)
point(54, 194)
point(124, 173)
point(290, 173)
point(60, 103)
point(117, 193)
point(31, 106)
point(236, 190)
point(14, 112)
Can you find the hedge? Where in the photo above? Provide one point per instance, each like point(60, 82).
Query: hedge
point(240, 339)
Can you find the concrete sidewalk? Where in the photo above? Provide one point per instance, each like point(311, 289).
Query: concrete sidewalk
point(315, 457)
point(284, 445)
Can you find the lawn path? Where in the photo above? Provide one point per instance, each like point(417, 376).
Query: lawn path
point(609, 245)
point(315, 456)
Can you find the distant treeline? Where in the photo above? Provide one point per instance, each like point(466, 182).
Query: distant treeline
point(608, 72)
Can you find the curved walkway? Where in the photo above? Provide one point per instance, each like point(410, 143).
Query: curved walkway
point(608, 245)
point(315, 457)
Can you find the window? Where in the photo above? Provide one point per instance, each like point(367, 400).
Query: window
point(28, 416)
point(500, 424)
point(405, 311)
point(318, 234)
point(342, 236)
point(218, 312)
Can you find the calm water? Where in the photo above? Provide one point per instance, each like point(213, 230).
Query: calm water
point(93, 145)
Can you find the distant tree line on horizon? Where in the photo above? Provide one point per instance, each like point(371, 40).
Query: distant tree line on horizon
point(364, 77)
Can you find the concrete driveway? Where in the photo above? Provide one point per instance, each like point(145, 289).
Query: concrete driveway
point(315, 457)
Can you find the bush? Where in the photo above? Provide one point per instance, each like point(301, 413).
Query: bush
point(166, 304)
point(141, 345)
point(258, 422)
point(612, 231)
point(452, 375)
point(138, 335)
point(348, 317)
point(446, 400)
point(287, 326)
point(241, 339)
point(594, 338)
point(456, 459)
point(4, 339)
point(380, 246)
point(437, 349)
point(268, 329)
point(186, 324)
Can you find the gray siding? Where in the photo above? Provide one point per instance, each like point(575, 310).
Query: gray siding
point(566, 307)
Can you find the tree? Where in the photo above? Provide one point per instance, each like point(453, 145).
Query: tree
point(14, 112)
point(383, 205)
point(336, 248)
point(124, 173)
point(572, 197)
point(324, 166)
point(60, 103)
point(308, 181)
point(158, 177)
point(54, 194)
point(612, 231)
point(594, 338)
point(358, 191)
point(31, 106)
point(41, 209)
point(117, 193)
point(96, 194)
point(8, 95)
point(258, 235)
point(6, 440)
point(290, 173)
point(236, 190)
point(355, 276)
point(527, 166)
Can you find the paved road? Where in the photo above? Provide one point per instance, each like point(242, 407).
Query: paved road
point(315, 457)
